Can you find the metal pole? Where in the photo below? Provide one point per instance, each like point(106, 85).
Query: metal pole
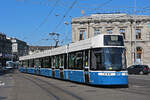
point(67, 59)
point(66, 32)
point(135, 54)
point(12, 54)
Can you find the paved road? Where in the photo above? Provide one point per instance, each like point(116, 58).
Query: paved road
point(19, 86)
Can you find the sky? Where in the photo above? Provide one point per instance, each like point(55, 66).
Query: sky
point(33, 20)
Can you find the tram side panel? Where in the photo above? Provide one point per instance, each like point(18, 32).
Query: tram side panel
point(57, 73)
point(30, 70)
point(76, 75)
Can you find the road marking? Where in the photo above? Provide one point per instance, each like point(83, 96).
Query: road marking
point(2, 83)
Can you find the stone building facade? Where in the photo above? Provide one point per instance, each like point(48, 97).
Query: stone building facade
point(5, 49)
point(89, 26)
point(5, 44)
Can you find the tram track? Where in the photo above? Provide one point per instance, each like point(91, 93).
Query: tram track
point(134, 91)
point(133, 88)
point(137, 86)
point(21, 86)
point(55, 91)
point(43, 88)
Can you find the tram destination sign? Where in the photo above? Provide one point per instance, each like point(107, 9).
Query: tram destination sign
point(113, 40)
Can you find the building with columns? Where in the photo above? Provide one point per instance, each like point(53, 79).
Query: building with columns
point(89, 26)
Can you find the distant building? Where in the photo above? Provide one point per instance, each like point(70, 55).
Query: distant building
point(5, 49)
point(36, 49)
point(11, 48)
point(89, 26)
point(19, 48)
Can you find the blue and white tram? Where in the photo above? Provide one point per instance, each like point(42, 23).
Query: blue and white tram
point(99, 60)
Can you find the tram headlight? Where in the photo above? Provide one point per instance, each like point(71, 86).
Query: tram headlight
point(110, 68)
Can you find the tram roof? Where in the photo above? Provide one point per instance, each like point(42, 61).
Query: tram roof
point(94, 42)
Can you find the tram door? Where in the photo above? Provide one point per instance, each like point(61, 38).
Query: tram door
point(86, 65)
point(86, 75)
point(53, 66)
point(61, 73)
point(61, 58)
point(37, 70)
point(53, 72)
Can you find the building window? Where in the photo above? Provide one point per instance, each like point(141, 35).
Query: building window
point(82, 34)
point(139, 52)
point(109, 31)
point(138, 33)
point(96, 31)
point(122, 31)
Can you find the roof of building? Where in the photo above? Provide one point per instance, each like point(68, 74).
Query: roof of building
point(112, 17)
point(40, 47)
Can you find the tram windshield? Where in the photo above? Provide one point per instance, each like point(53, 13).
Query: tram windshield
point(108, 59)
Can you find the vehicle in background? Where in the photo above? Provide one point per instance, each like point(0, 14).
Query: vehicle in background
point(138, 69)
point(11, 65)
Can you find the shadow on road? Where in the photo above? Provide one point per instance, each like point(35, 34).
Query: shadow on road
point(3, 98)
point(7, 72)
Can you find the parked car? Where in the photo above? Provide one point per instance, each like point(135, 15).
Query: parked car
point(138, 69)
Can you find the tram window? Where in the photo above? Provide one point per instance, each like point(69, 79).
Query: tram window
point(96, 60)
point(57, 62)
point(46, 62)
point(21, 63)
point(41, 62)
point(79, 60)
point(71, 60)
point(25, 63)
point(65, 61)
point(50, 65)
point(28, 63)
point(76, 60)
point(37, 63)
point(61, 57)
point(31, 63)
point(53, 62)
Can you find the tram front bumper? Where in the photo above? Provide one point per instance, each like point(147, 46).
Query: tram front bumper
point(105, 78)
